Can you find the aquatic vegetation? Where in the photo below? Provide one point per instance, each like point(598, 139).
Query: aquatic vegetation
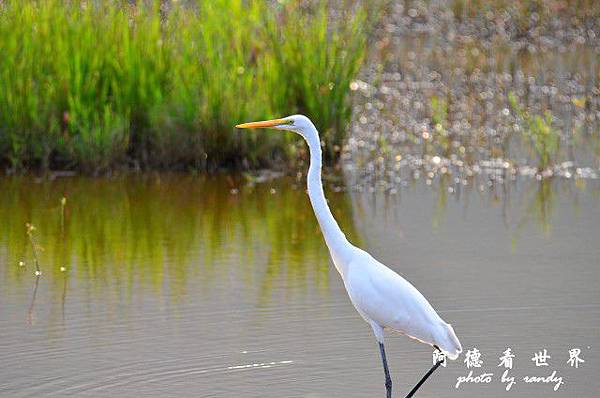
point(439, 121)
point(97, 84)
point(544, 138)
point(435, 89)
point(439, 111)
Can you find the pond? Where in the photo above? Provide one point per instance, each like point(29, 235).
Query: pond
point(171, 285)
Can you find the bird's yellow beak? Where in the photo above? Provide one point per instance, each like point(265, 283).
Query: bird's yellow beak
point(263, 124)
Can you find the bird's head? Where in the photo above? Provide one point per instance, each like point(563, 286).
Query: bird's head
point(299, 124)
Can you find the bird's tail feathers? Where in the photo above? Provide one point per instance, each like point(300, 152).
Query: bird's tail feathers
point(447, 341)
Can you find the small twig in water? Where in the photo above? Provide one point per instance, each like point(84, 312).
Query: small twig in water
point(63, 204)
point(30, 229)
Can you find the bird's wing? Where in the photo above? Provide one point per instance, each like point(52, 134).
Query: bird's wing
point(382, 296)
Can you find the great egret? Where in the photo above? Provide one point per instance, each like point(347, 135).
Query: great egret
point(382, 297)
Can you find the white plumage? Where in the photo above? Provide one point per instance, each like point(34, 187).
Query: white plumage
point(382, 297)
point(387, 301)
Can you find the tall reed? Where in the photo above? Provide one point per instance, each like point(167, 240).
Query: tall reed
point(92, 85)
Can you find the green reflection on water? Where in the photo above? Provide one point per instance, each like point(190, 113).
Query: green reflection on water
point(155, 232)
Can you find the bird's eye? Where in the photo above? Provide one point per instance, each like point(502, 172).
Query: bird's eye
point(291, 121)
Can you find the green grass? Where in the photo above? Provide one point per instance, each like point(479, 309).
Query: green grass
point(543, 137)
point(96, 85)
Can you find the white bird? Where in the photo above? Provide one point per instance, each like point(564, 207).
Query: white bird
point(382, 297)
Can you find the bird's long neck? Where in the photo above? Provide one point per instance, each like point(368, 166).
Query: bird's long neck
point(334, 237)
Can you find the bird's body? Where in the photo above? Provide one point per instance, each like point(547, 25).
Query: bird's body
point(388, 301)
point(382, 297)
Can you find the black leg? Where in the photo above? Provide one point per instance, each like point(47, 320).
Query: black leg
point(388, 379)
point(420, 383)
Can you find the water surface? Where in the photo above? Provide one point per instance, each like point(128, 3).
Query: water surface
point(220, 287)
